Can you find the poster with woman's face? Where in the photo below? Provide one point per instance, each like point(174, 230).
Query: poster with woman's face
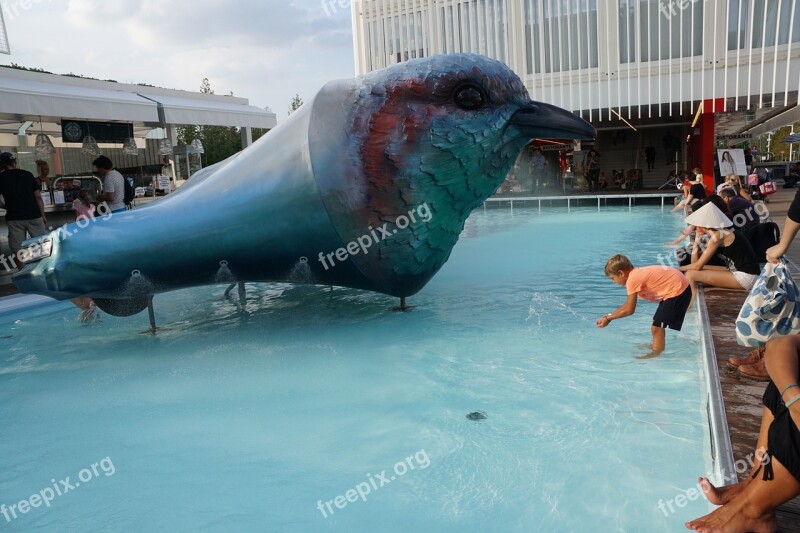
point(731, 162)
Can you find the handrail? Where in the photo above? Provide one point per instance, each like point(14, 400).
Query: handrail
point(581, 197)
point(569, 199)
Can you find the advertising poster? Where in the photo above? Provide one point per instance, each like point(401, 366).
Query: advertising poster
point(731, 162)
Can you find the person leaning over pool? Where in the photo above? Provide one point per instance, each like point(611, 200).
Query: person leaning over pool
point(743, 268)
point(657, 283)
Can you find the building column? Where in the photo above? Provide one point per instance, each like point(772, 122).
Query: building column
point(247, 136)
point(706, 141)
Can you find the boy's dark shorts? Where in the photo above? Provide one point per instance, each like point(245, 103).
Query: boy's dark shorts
point(670, 312)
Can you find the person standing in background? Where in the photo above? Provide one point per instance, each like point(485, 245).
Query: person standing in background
point(539, 168)
point(113, 184)
point(84, 210)
point(22, 197)
point(650, 154)
point(591, 166)
point(671, 145)
point(43, 168)
point(748, 159)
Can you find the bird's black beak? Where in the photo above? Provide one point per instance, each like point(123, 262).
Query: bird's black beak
point(545, 121)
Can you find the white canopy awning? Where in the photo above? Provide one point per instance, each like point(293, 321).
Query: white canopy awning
point(30, 99)
point(197, 111)
point(27, 95)
point(783, 117)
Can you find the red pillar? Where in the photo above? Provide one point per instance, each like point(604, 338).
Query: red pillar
point(706, 141)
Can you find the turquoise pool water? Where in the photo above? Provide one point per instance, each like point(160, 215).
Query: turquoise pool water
point(220, 424)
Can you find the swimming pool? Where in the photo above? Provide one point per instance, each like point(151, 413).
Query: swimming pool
point(297, 418)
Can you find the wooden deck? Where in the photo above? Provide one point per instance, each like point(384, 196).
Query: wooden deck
point(742, 397)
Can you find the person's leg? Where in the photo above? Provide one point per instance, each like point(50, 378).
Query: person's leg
point(753, 509)
point(16, 235)
point(82, 303)
point(711, 277)
point(35, 228)
point(722, 495)
point(659, 339)
point(658, 345)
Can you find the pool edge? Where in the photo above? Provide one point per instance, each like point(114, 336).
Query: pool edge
point(721, 448)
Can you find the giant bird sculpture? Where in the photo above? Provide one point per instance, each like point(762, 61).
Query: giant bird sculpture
point(401, 155)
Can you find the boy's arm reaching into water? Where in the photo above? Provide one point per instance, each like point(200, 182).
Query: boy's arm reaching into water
point(626, 309)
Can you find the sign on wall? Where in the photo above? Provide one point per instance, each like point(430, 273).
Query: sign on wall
point(73, 131)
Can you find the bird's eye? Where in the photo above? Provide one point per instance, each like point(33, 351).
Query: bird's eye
point(469, 97)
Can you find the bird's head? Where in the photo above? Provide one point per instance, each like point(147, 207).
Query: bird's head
point(442, 131)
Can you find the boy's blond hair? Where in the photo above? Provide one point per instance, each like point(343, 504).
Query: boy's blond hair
point(616, 263)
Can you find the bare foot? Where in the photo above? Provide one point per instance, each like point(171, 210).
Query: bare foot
point(735, 518)
point(650, 355)
point(721, 495)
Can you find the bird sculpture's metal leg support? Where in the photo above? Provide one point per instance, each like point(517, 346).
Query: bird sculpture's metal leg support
point(402, 307)
point(242, 294)
point(242, 297)
point(229, 289)
point(151, 313)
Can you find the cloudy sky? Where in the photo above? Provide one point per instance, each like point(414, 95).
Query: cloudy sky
point(264, 50)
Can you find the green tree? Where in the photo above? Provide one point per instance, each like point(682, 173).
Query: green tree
point(295, 103)
point(777, 146)
point(219, 142)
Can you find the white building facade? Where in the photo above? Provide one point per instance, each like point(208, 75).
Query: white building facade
point(639, 58)
point(695, 69)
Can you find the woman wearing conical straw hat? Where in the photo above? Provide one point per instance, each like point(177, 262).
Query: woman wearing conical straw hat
point(726, 242)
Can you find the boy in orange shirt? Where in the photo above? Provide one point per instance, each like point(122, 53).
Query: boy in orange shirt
point(657, 283)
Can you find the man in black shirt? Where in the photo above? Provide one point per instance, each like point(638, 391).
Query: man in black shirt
point(23, 202)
